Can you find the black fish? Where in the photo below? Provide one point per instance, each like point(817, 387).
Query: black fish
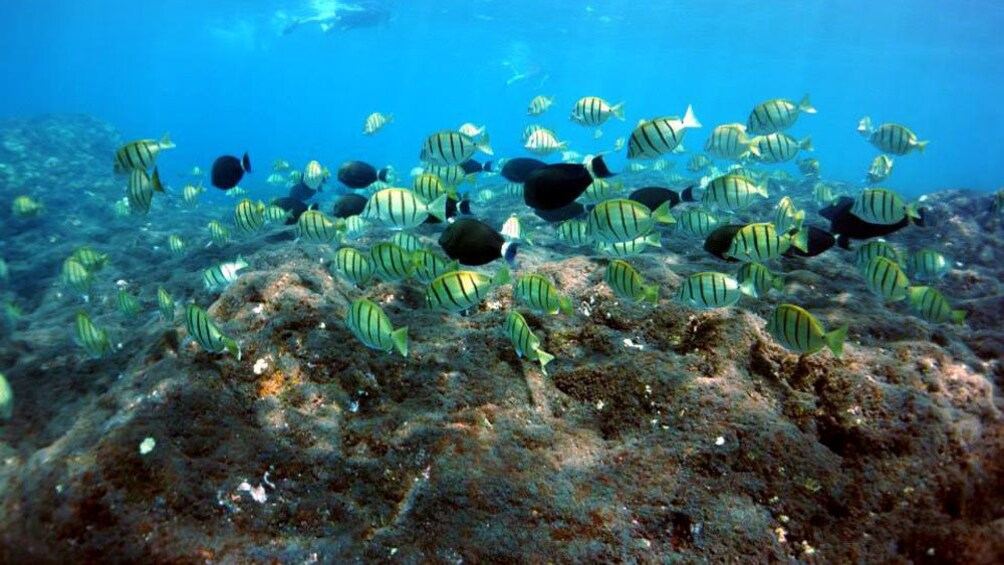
point(453, 208)
point(473, 166)
point(301, 192)
point(719, 241)
point(349, 205)
point(476, 243)
point(654, 196)
point(297, 207)
point(357, 174)
point(819, 241)
point(567, 212)
point(229, 170)
point(555, 186)
point(518, 169)
point(846, 226)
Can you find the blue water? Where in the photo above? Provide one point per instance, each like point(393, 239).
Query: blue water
point(222, 78)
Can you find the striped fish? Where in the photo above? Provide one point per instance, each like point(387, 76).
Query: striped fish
point(543, 142)
point(452, 148)
point(574, 232)
point(128, 304)
point(808, 167)
point(430, 187)
point(933, 307)
point(409, 242)
point(653, 138)
point(429, 265)
point(276, 179)
point(355, 226)
point(698, 221)
point(175, 244)
point(874, 248)
point(883, 206)
point(761, 242)
point(630, 248)
point(314, 175)
point(530, 129)
point(26, 207)
point(600, 190)
point(628, 282)
point(732, 192)
point(778, 147)
point(823, 193)
point(6, 399)
point(391, 262)
point(276, 214)
point(371, 326)
point(219, 233)
point(512, 229)
point(728, 141)
point(207, 334)
point(354, 265)
point(141, 154)
point(886, 279)
point(786, 217)
point(891, 138)
point(219, 276)
point(593, 111)
point(375, 121)
point(76, 276)
point(92, 260)
point(165, 305)
point(249, 216)
point(539, 105)
point(708, 290)
point(400, 208)
point(698, 163)
point(799, 331)
point(621, 219)
point(538, 293)
point(190, 194)
point(928, 265)
point(759, 278)
point(141, 189)
point(879, 170)
point(471, 130)
point(314, 227)
point(777, 115)
point(457, 291)
point(121, 208)
point(93, 339)
point(997, 202)
point(451, 176)
point(524, 341)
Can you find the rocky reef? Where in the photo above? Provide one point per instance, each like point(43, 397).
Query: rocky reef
point(660, 434)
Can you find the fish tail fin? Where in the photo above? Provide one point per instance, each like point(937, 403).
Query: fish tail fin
point(390, 117)
point(654, 239)
point(618, 111)
point(232, 347)
point(921, 145)
point(806, 144)
point(805, 106)
point(501, 276)
point(165, 141)
point(865, 126)
point(544, 358)
point(689, 119)
point(958, 317)
point(400, 339)
point(157, 185)
point(835, 341)
point(800, 240)
point(748, 287)
point(912, 212)
point(663, 215)
point(483, 144)
point(778, 283)
point(651, 294)
point(565, 305)
point(799, 219)
point(509, 250)
point(437, 208)
point(752, 149)
point(246, 162)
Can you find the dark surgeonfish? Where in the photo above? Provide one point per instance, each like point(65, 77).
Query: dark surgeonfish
point(301, 192)
point(453, 209)
point(518, 169)
point(294, 206)
point(360, 14)
point(357, 174)
point(654, 196)
point(472, 166)
point(554, 186)
point(819, 241)
point(567, 212)
point(846, 226)
point(719, 241)
point(474, 243)
point(349, 205)
point(229, 170)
